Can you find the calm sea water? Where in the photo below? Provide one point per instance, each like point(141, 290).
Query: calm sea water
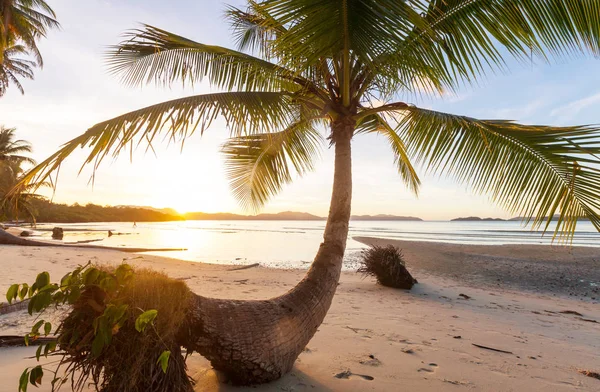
point(293, 244)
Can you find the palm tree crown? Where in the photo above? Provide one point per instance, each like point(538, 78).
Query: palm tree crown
point(25, 21)
point(13, 68)
point(11, 150)
point(304, 64)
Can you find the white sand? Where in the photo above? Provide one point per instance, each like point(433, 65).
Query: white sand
point(412, 335)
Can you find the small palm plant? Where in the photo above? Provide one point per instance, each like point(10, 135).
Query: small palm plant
point(348, 67)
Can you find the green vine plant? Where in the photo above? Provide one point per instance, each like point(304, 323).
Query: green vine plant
point(105, 335)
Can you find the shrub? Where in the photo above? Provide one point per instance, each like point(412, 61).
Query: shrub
point(387, 265)
point(120, 331)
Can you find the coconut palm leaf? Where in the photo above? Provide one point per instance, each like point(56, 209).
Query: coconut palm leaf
point(11, 149)
point(26, 21)
point(245, 113)
point(458, 41)
point(152, 55)
point(259, 165)
point(14, 67)
point(375, 123)
point(536, 171)
point(254, 29)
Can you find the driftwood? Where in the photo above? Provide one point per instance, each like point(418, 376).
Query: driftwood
point(244, 267)
point(9, 239)
point(491, 349)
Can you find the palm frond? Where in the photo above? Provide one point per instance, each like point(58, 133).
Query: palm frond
point(254, 29)
point(462, 40)
point(375, 123)
point(245, 113)
point(152, 55)
point(258, 166)
point(535, 171)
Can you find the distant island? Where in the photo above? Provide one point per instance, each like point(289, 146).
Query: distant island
point(290, 215)
point(49, 212)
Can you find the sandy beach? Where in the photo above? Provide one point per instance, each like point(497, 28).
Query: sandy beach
point(510, 298)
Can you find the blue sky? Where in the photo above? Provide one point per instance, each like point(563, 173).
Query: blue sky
point(74, 91)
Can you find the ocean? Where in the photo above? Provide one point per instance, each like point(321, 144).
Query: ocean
point(293, 244)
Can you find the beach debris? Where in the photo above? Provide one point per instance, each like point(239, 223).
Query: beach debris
point(571, 312)
point(245, 267)
point(26, 233)
point(83, 241)
point(453, 382)
point(345, 375)
point(372, 361)
point(408, 351)
point(457, 337)
point(464, 296)
point(387, 265)
point(57, 233)
point(491, 348)
point(587, 320)
point(241, 281)
point(588, 373)
point(357, 330)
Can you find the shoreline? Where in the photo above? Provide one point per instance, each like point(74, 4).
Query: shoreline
point(422, 340)
point(543, 269)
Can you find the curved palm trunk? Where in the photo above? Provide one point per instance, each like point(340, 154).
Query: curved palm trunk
point(258, 341)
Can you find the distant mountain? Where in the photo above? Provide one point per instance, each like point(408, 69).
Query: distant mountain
point(286, 215)
point(291, 215)
point(478, 219)
point(384, 217)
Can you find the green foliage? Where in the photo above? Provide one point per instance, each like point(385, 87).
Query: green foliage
point(46, 211)
point(91, 334)
point(344, 64)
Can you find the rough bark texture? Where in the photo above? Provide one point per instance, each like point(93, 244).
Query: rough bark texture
point(258, 341)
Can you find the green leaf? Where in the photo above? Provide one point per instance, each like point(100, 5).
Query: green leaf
point(123, 273)
point(38, 352)
point(90, 276)
point(23, 292)
point(35, 377)
point(144, 319)
point(163, 360)
point(12, 293)
point(47, 328)
point(65, 281)
point(23, 381)
point(26, 339)
point(97, 345)
point(36, 327)
point(42, 280)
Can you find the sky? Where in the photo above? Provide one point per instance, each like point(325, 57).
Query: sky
point(74, 91)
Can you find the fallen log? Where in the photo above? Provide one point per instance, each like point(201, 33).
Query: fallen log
point(9, 239)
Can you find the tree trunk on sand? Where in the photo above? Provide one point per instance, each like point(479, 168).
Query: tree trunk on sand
point(9, 239)
point(255, 342)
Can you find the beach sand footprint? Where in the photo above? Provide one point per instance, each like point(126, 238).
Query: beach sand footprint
point(347, 374)
point(431, 368)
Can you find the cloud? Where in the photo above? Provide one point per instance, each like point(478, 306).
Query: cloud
point(572, 109)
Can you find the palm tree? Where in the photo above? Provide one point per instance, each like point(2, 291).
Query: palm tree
point(12, 68)
point(25, 21)
point(11, 150)
point(307, 64)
